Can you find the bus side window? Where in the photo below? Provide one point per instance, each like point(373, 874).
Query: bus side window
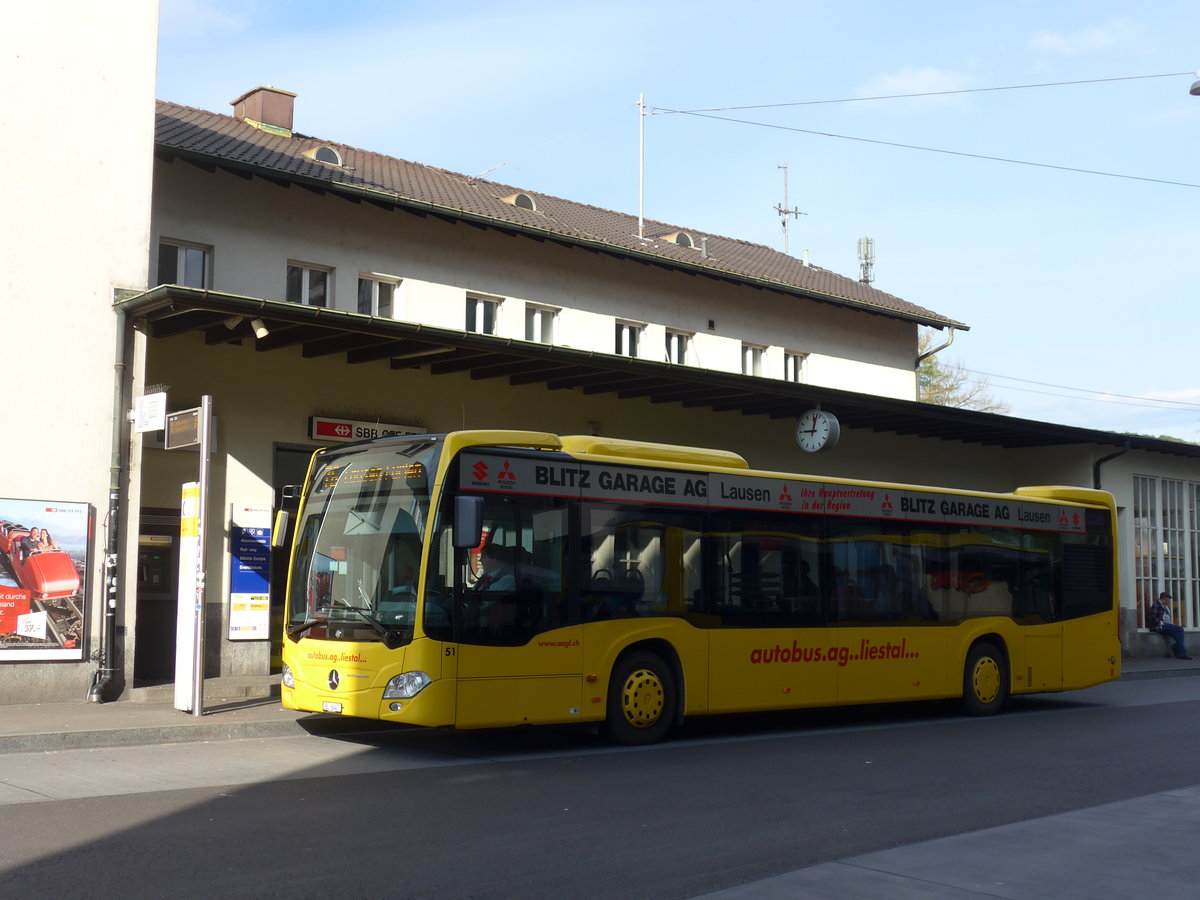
point(768, 571)
point(641, 562)
point(623, 552)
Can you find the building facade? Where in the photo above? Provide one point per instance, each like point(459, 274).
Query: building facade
point(304, 285)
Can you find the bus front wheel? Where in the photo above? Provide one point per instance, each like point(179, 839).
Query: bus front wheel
point(641, 699)
point(985, 680)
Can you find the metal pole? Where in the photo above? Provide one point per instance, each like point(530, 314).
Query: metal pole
point(641, 163)
point(201, 557)
point(785, 208)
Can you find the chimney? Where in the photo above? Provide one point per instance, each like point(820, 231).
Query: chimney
point(267, 108)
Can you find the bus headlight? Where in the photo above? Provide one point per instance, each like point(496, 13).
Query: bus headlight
point(289, 680)
point(406, 685)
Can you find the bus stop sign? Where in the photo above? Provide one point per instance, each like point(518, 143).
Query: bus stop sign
point(183, 429)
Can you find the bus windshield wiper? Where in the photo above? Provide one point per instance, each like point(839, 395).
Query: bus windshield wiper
point(303, 627)
point(391, 637)
point(376, 626)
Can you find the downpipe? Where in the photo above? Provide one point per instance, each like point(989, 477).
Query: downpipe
point(105, 652)
point(1102, 460)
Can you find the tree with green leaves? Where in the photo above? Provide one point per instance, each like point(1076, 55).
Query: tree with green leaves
point(948, 384)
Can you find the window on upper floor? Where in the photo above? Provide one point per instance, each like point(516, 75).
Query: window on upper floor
point(678, 344)
point(794, 366)
point(628, 334)
point(309, 285)
point(752, 359)
point(185, 264)
point(483, 315)
point(376, 295)
point(540, 323)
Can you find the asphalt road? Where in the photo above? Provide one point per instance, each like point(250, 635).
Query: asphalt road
point(553, 813)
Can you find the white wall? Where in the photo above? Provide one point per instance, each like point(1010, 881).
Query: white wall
point(77, 120)
point(441, 263)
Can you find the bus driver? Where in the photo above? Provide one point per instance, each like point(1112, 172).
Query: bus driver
point(497, 570)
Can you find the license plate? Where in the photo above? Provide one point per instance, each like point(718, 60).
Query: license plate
point(329, 706)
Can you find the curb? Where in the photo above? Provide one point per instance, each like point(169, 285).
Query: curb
point(315, 724)
point(1159, 673)
point(154, 734)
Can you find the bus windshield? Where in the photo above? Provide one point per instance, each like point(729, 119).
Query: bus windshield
point(358, 549)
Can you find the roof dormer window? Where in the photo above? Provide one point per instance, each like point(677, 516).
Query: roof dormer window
point(324, 153)
point(521, 201)
point(682, 238)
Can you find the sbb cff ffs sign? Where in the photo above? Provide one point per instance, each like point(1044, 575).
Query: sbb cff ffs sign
point(320, 428)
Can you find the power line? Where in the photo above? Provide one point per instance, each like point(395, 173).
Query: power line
point(1109, 396)
point(1013, 87)
point(1141, 401)
point(1094, 399)
point(1004, 159)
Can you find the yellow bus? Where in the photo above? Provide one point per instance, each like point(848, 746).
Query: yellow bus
point(482, 579)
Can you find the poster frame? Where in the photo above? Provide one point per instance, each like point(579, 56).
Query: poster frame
point(55, 627)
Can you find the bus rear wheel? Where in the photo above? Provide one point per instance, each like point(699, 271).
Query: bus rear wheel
point(641, 700)
point(985, 680)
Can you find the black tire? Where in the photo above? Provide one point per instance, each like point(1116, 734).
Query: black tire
point(985, 680)
point(641, 700)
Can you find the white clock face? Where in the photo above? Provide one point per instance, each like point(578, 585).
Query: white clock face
point(817, 430)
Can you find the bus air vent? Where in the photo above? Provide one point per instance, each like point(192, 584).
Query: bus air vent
point(649, 452)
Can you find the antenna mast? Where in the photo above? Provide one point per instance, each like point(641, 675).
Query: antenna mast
point(866, 259)
point(641, 164)
point(783, 210)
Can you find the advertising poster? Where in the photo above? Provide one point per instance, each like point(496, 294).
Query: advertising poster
point(44, 547)
point(250, 574)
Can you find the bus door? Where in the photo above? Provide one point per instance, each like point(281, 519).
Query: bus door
point(1091, 648)
point(517, 654)
point(1030, 580)
point(771, 647)
point(885, 584)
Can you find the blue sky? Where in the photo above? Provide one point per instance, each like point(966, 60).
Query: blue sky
point(1067, 280)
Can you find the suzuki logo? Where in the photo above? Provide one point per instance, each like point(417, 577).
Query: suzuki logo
point(479, 470)
point(334, 679)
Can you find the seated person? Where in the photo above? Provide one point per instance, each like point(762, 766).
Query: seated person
point(498, 572)
point(30, 544)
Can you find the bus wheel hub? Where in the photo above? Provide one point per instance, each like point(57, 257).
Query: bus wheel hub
point(987, 679)
point(642, 698)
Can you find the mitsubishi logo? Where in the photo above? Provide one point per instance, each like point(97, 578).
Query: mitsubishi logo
point(334, 678)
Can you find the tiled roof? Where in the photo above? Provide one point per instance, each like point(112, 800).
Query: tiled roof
point(225, 140)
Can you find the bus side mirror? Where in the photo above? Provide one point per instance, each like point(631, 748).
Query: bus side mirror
point(279, 534)
point(468, 521)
